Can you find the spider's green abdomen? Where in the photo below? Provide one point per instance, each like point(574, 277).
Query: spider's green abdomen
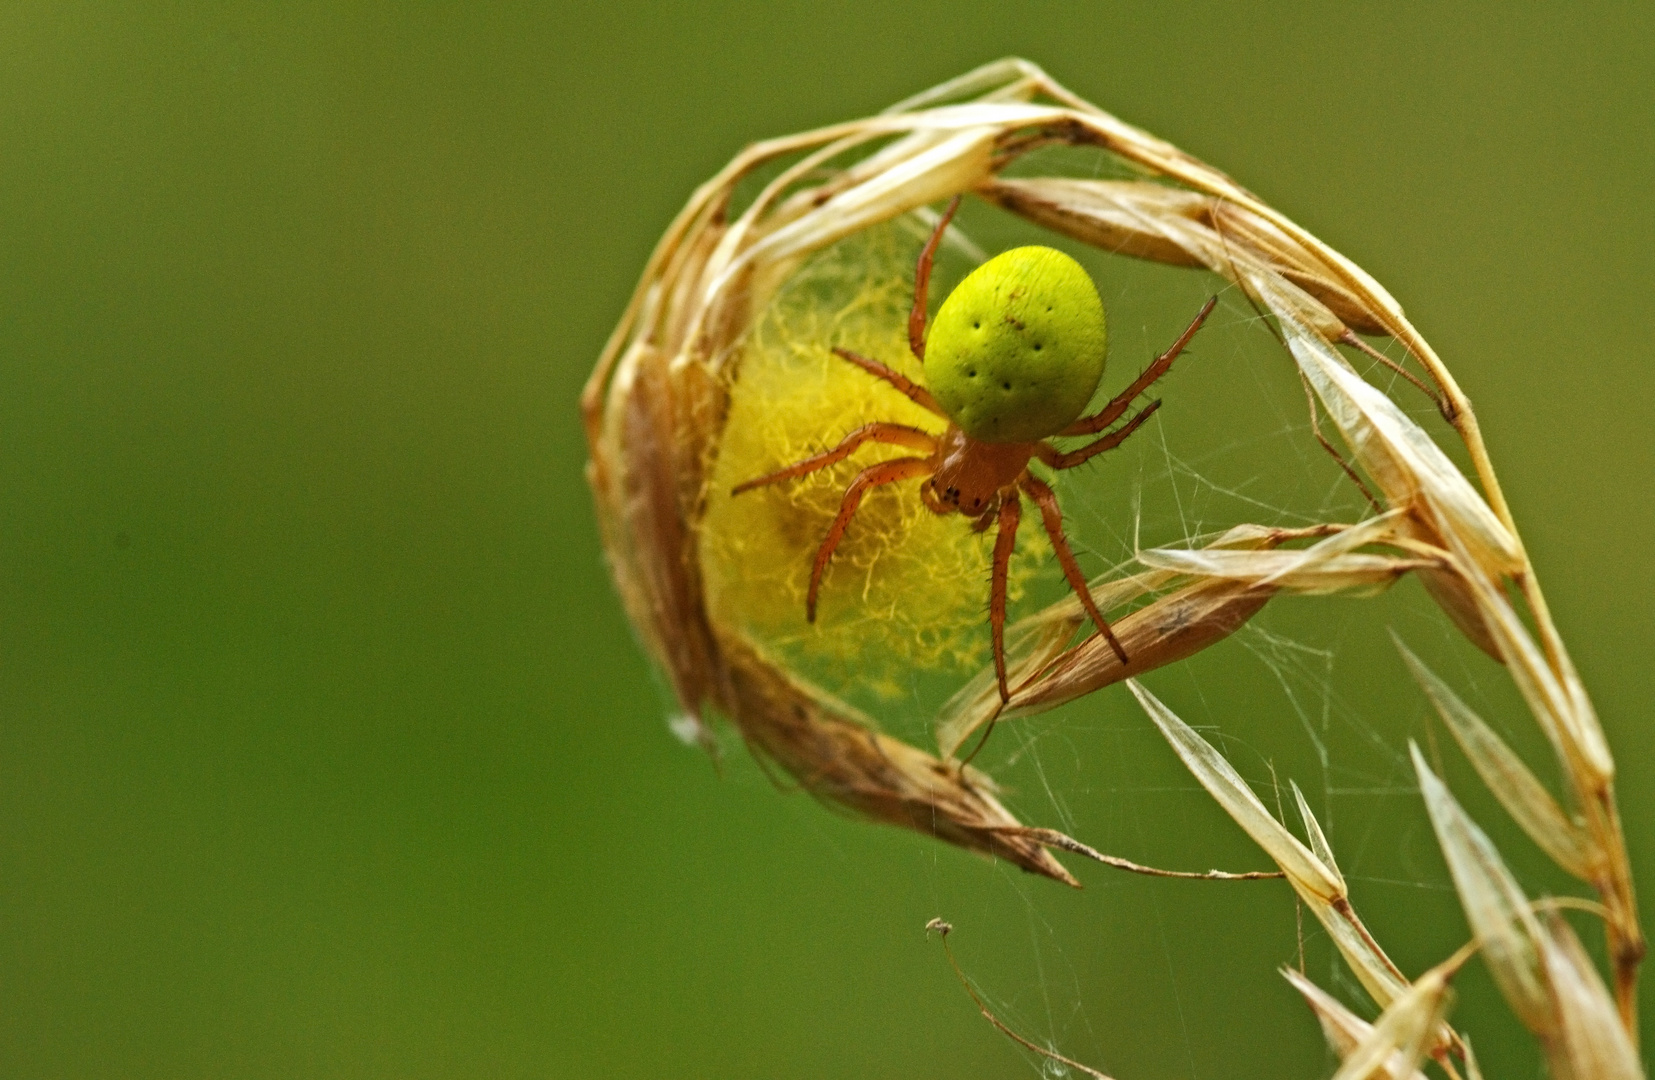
point(1017, 350)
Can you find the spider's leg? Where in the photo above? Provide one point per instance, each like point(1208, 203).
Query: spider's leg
point(913, 391)
point(922, 281)
point(1091, 425)
point(1005, 539)
point(886, 472)
point(896, 434)
point(1052, 518)
point(1057, 459)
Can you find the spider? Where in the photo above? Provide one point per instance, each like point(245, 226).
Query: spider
point(1013, 358)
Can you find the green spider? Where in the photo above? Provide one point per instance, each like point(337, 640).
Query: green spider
point(1013, 358)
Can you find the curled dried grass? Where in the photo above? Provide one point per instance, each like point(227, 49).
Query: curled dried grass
point(654, 411)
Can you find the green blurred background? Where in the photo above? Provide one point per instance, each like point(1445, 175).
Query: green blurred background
point(325, 750)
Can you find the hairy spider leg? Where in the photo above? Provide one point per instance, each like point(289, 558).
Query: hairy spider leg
point(895, 434)
point(886, 472)
point(922, 281)
point(1057, 459)
point(1091, 425)
point(1052, 517)
point(1005, 540)
point(910, 389)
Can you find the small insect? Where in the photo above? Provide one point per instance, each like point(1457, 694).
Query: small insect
point(1013, 358)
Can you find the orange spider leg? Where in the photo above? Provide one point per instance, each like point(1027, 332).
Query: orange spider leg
point(914, 392)
point(886, 472)
point(1057, 459)
point(1011, 512)
point(1052, 518)
point(1091, 425)
point(922, 281)
point(895, 434)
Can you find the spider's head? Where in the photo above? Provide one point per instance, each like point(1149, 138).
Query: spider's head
point(1016, 351)
point(969, 503)
point(957, 488)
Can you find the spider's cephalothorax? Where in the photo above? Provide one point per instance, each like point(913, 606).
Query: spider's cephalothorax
point(1013, 358)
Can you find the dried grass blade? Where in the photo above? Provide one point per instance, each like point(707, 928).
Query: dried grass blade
point(935, 173)
point(1172, 628)
point(1181, 227)
point(991, 81)
point(1319, 885)
point(1111, 215)
point(1511, 781)
point(1218, 561)
point(1344, 1030)
point(1358, 572)
point(1453, 594)
point(1372, 968)
point(1231, 792)
point(1313, 832)
point(1473, 1071)
point(1401, 457)
point(1495, 905)
point(1591, 1042)
point(1574, 731)
point(1404, 1031)
point(1306, 265)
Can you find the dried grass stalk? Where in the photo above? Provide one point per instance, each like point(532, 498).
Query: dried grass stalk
point(1540, 967)
point(1404, 1032)
point(1524, 797)
point(1311, 871)
point(654, 411)
point(1346, 1032)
